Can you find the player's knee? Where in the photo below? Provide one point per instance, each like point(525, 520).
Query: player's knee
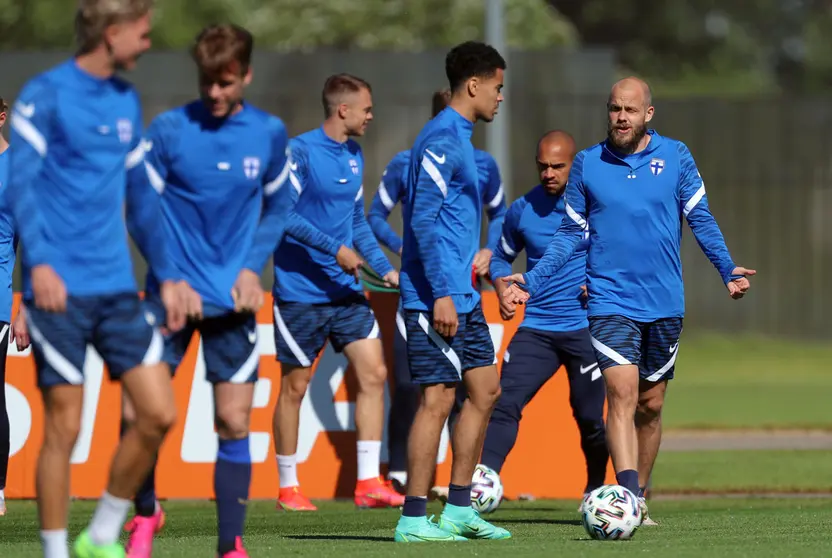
point(155, 424)
point(293, 388)
point(438, 400)
point(232, 424)
point(486, 394)
point(621, 395)
point(61, 431)
point(373, 379)
point(650, 409)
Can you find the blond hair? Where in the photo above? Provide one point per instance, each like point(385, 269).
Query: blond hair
point(94, 16)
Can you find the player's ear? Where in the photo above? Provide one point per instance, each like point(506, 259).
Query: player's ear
point(473, 85)
point(248, 77)
point(648, 115)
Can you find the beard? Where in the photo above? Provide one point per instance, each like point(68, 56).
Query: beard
point(629, 145)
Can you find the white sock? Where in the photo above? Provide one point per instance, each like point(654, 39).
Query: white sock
point(287, 469)
point(108, 519)
point(54, 543)
point(399, 476)
point(369, 454)
point(2, 494)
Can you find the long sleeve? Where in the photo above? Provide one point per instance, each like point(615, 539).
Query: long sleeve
point(439, 163)
point(569, 234)
point(510, 244)
point(494, 202)
point(30, 138)
point(279, 200)
point(387, 196)
point(695, 208)
point(364, 240)
point(146, 170)
point(297, 226)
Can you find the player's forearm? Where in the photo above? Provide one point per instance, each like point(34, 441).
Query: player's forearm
point(710, 240)
point(558, 252)
point(500, 265)
point(21, 199)
point(377, 219)
point(303, 231)
point(144, 224)
point(365, 241)
point(495, 230)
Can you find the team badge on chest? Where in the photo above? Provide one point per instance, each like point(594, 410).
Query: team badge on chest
point(354, 166)
point(251, 166)
point(656, 166)
point(125, 130)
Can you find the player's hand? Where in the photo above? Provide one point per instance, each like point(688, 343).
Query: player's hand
point(349, 261)
point(171, 295)
point(507, 310)
point(445, 320)
point(482, 261)
point(49, 289)
point(584, 293)
point(513, 294)
point(247, 292)
point(191, 301)
point(20, 330)
point(738, 287)
point(392, 279)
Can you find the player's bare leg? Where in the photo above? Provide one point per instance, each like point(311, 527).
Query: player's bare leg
point(622, 397)
point(232, 472)
point(425, 433)
point(367, 359)
point(285, 425)
point(62, 423)
point(649, 430)
point(483, 386)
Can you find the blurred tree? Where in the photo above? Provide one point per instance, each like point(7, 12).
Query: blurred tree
point(303, 24)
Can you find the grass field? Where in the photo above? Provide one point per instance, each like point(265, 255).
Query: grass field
point(749, 382)
point(733, 527)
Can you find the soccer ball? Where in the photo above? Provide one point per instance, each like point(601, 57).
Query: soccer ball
point(611, 512)
point(486, 489)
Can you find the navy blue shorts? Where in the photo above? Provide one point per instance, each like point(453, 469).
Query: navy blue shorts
point(435, 359)
point(117, 326)
point(301, 330)
point(229, 345)
point(652, 346)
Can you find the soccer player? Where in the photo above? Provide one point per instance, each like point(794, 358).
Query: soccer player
point(448, 340)
point(75, 159)
point(8, 247)
point(390, 192)
point(633, 189)
point(221, 167)
point(317, 294)
point(554, 330)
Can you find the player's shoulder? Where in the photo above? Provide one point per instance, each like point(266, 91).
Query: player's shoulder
point(533, 196)
point(484, 159)
point(271, 123)
point(354, 148)
point(400, 161)
point(42, 88)
point(672, 145)
point(171, 121)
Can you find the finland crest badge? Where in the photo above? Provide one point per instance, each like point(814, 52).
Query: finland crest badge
point(656, 166)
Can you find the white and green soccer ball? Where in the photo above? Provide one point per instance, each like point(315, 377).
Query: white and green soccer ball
point(486, 489)
point(611, 513)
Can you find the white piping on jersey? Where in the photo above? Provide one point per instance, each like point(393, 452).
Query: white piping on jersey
point(498, 197)
point(384, 196)
point(29, 132)
point(433, 172)
point(694, 201)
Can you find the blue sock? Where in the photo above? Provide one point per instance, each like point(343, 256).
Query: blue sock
point(641, 490)
point(415, 506)
point(232, 478)
point(628, 479)
point(459, 496)
point(145, 499)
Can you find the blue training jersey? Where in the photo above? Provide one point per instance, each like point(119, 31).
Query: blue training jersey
point(635, 205)
point(391, 191)
point(442, 212)
point(531, 222)
point(8, 243)
point(224, 204)
point(329, 214)
point(75, 138)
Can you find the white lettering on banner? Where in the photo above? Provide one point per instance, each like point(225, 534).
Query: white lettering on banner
point(318, 413)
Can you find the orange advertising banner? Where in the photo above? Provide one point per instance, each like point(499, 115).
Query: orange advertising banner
point(546, 461)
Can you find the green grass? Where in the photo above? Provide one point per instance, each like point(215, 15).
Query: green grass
point(732, 527)
point(743, 471)
point(749, 382)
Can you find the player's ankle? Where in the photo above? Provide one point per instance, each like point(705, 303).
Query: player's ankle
point(415, 506)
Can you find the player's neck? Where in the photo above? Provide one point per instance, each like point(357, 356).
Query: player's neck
point(97, 62)
point(335, 130)
point(4, 145)
point(464, 109)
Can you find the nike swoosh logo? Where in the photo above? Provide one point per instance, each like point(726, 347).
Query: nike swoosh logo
point(673, 347)
point(437, 158)
point(26, 111)
point(293, 166)
point(147, 145)
point(252, 337)
point(585, 369)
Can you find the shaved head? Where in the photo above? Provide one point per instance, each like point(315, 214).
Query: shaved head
point(633, 86)
point(555, 152)
point(629, 108)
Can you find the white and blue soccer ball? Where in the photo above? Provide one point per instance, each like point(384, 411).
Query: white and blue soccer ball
point(611, 513)
point(486, 489)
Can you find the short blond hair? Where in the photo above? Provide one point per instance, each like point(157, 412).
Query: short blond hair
point(94, 16)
